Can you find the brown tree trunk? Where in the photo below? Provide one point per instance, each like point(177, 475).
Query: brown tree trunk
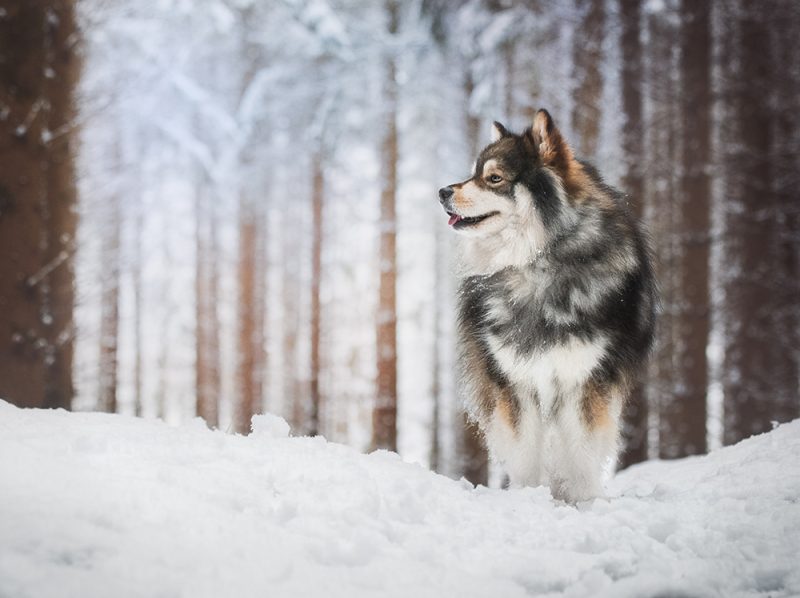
point(248, 404)
point(317, 198)
point(261, 274)
point(684, 414)
point(38, 74)
point(136, 283)
point(786, 181)
point(636, 410)
point(214, 380)
point(207, 402)
point(660, 209)
point(109, 302)
point(168, 309)
point(509, 52)
point(473, 123)
point(293, 400)
point(760, 370)
point(587, 75)
point(250, 332)
point(291, 384)
point(384, 415)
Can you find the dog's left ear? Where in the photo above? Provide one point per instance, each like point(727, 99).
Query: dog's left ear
point(498, 131)
point(548, 143)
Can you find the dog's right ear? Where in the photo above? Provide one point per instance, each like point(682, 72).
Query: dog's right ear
point(547, 142)
point(498, 131)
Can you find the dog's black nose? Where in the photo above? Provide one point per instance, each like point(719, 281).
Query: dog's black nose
point(445, 193)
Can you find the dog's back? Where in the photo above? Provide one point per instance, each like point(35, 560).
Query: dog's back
point(557, 307)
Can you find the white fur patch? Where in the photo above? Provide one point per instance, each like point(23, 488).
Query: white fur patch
point(512, 238)
point(567, 365)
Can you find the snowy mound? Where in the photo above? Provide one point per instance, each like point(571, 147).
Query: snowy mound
point(103, 505)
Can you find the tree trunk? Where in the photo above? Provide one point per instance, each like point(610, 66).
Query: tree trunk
point(317, 198)
point(136, 283)
point(760, 368)
point(684, 414)
point(248, 404)
point(109, 301)
point(509, 51)
point(636, 410)
point(207, 402)
point(473, 123)
point(384, 416)
point(38, 216)
point(786, 181)
point(660, 191)
point(214, 362)
point(295, 404)
point(261, 281)
point(587, 75)
point(167, 307)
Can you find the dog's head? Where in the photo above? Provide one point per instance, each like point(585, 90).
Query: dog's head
point(518, 186)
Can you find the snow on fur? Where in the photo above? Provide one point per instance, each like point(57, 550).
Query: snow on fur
point(106, 505)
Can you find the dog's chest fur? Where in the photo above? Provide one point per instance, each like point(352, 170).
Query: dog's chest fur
point(527, 343)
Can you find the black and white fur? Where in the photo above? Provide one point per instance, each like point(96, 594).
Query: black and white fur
point(556, 308)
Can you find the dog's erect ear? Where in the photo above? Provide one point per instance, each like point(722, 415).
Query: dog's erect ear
point(498, 131)
point(548, 142)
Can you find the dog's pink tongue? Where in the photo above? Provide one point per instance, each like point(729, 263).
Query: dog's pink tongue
point(453, 219)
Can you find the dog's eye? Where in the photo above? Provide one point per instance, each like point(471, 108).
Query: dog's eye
point(494, 178)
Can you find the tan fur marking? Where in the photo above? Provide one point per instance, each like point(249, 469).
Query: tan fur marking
point(596, 401)
point(485, 396)
point(578, 184)
point(504, 409)
point(461, 202)
point(481, 388)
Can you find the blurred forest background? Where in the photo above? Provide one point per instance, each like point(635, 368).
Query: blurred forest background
point(225, 207)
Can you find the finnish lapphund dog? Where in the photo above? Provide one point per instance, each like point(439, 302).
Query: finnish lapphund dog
point(557, 306)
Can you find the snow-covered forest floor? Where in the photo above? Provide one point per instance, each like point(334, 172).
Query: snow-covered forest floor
point(106, 505)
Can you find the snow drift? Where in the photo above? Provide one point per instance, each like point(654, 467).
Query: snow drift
point(106, 505)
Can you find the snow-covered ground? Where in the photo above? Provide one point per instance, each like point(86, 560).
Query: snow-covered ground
point(103, 505)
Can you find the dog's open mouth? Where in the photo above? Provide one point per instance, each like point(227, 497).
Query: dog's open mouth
point(457, 221)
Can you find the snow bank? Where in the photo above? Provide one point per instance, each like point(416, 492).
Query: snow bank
point(103, 505)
